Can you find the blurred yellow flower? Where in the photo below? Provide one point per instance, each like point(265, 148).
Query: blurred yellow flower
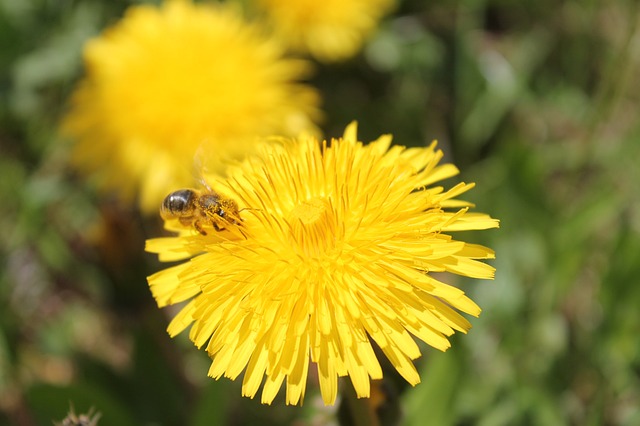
point(335, 249)
point(166, 80)
point(331, 30)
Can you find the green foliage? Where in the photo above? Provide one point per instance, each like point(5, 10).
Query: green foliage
point(535, 101)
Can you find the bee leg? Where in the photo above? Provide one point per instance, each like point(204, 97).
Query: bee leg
point(199, 228)
point(217, 227)
point(186, 220)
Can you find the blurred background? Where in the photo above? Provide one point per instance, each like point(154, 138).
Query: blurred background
point(538, 102)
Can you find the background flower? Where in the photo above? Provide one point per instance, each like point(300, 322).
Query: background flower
point(330, 30)
point(337, 248)
point(166, 80)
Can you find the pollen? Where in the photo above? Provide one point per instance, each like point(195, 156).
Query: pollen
point(313, 227)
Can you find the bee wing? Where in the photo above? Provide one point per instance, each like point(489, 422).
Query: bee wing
point(201, 165)
point(208, 167)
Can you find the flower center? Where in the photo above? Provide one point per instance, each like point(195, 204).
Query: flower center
point(313, 227)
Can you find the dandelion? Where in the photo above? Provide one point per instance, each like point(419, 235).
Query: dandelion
point(166, 81)
point(330, 30)
point(336, 249)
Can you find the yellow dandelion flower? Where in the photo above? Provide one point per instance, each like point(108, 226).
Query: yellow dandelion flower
point(166, 80)
point(335, 250)
point(330, 30)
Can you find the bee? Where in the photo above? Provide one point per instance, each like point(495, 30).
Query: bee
point(199, 208)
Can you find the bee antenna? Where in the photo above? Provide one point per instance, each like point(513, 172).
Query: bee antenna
point(249, 208)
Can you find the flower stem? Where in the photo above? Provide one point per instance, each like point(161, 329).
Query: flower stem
point(356, 411)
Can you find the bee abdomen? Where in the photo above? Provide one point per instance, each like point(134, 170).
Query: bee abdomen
point(177, 203)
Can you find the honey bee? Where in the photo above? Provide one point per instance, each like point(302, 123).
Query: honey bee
point(199, 208)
